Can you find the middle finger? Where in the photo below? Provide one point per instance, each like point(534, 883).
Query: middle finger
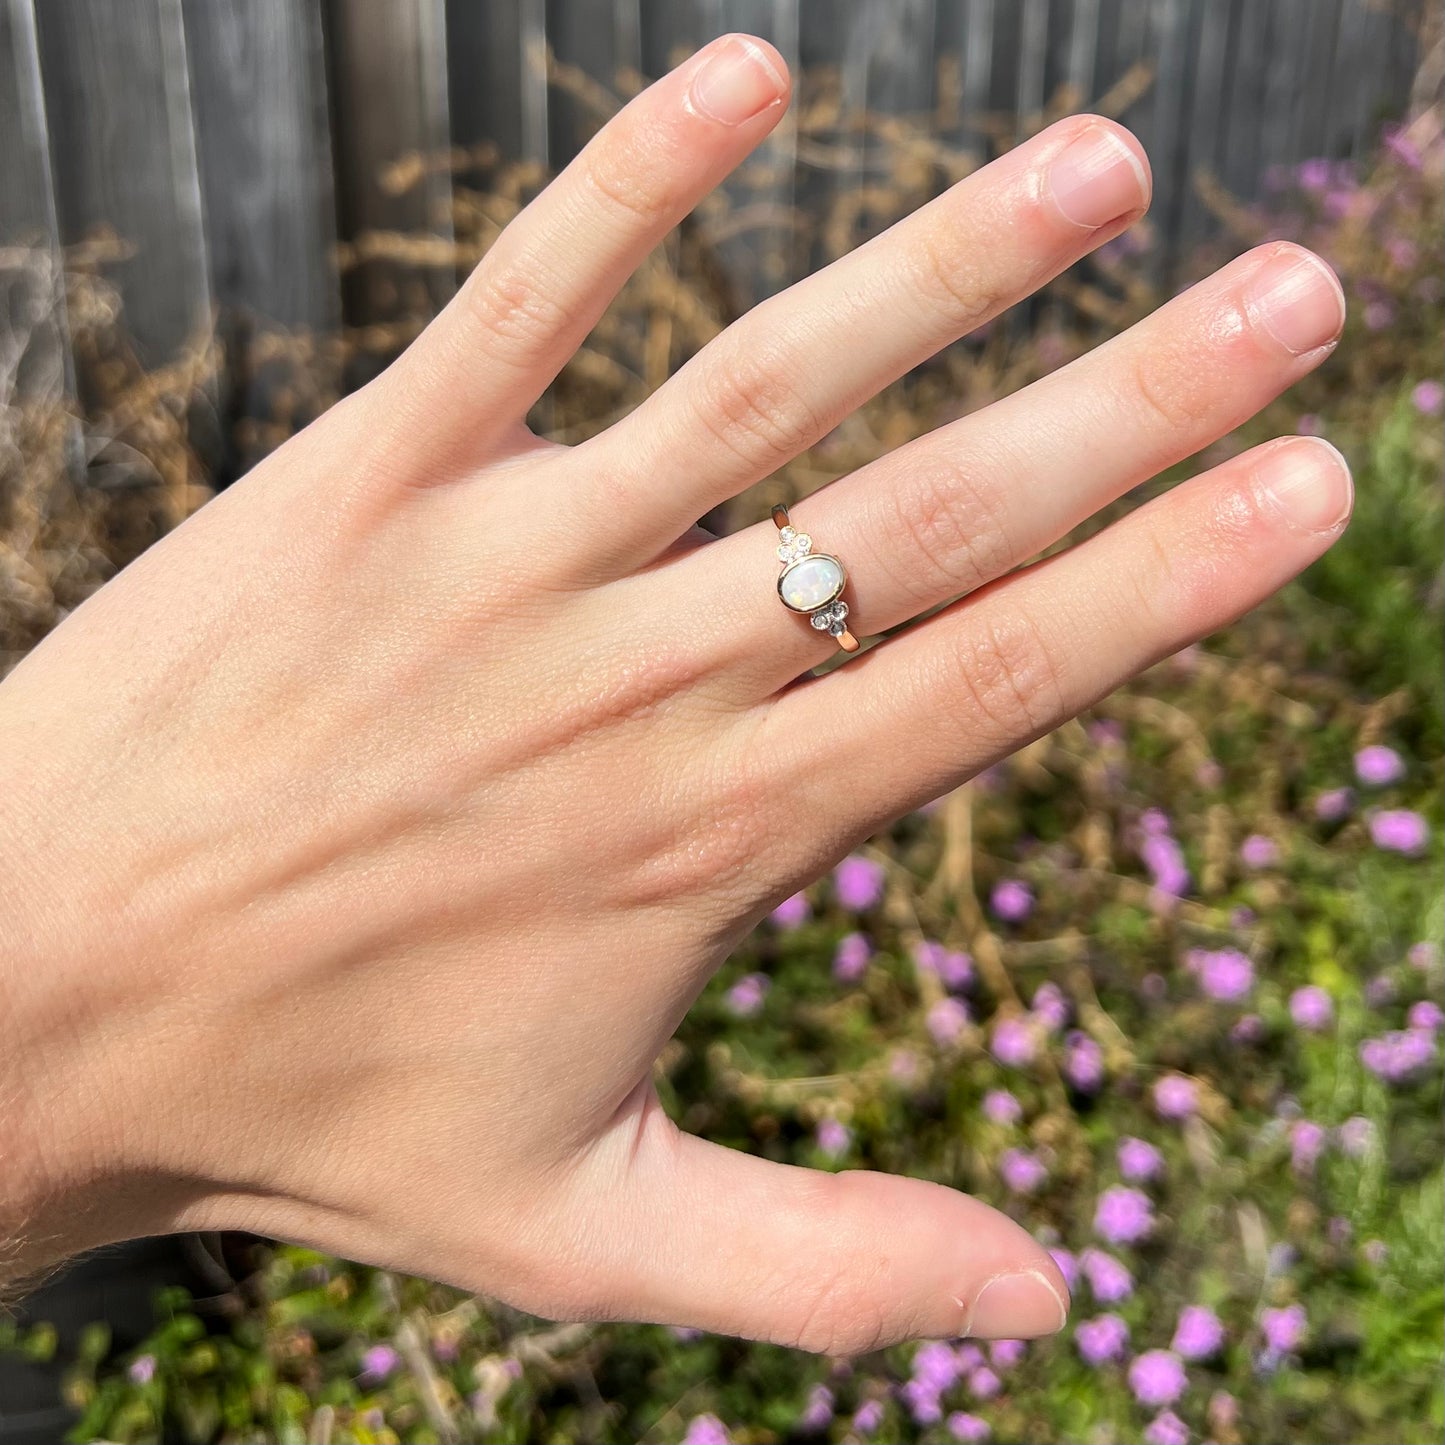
point(796, 365)
point(966, 503)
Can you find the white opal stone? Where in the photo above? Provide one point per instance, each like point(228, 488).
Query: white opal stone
point(811, 582)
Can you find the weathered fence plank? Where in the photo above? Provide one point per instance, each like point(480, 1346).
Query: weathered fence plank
point(258, 86)
point(136, 172)
point(227, 104)
point(389, 87)
point(34, 348)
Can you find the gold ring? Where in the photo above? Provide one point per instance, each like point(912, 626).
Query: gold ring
point(812, 582)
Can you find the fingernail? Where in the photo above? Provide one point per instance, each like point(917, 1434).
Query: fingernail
point(1017, 1307)
point(1097, 179)
point(1297, 299)
point(736, 82)
point(1308, 481)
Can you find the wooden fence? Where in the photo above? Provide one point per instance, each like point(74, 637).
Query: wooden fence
point(233, 143)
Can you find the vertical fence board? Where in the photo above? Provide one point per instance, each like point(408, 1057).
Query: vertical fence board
point(136, 172)
point(34, 348)
point(1033, 66)
point(388, 82)
point(264, 149)
point(1083, 52)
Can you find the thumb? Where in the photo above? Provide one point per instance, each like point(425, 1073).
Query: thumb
point(835, 1263)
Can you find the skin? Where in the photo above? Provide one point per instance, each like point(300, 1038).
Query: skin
point(366, 840)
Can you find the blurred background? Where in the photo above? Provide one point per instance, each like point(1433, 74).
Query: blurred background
point(1166, 986)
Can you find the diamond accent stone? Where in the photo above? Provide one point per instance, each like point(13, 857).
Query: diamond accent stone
point(790, 548)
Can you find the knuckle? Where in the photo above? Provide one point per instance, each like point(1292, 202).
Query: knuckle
point(1169, 391)
point(752, 408)
point(714, 839)
point(844, 1305)
point(951, 288)
point(954, 533)
point(1010, 674)
point(626, 183)
point(514, 307)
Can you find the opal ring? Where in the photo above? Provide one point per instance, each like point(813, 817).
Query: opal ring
point(812, 582)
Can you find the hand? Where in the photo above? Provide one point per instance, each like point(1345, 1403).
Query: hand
point(366, 840)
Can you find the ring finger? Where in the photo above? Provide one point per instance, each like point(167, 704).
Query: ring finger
point(968, 502)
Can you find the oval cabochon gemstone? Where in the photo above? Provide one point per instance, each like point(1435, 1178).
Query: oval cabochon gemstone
point(811, 582)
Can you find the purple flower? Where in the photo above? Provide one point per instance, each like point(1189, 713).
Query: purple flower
point(1007, 1354)
point(1012, 901)
point(1309, 425)
point(868, 1417)
point(1083, 1063)
point(1379, 315)
point(903, 1066)
point(1427, 1014)
point(818, 1412)
point(1259, 851)
point(1199, 1333)
point(1050, 1007)
point(1176, 1097)
point(1356, 1135)
point(1283, 1330)
point(1375, 1252)
point(968, 1428)
point(1402, 146)
point(1399, 831)
point(1014, 1042)
point(858, 883)
point(1311, 1008)
point(1068, 1266)
point(1403, 252)
point(142, 1369)
point(969, 1357)
point(833, 1138)
point(1429, 397)
point(947, 1020)
point(983, 1384)
point(1396, 1056)
point(1225, 975)
point(955, 968)
point(706, 1430)
point(1423, 955)
point(928, 955)
point(1248, 1029)
point(746, 996)
point(851, 958)
point(377, 1363)
point(1164, 859)
point(1139, 1161)
point(923, 1403)
point(1332, 805)
point(1307, 1142)
point(1109, 1280)
point(1123, 1215)
point(1157, 1378)
point(935, 1366)
point(1379, 766)
point(1314, 174)
point(1380, 990)
point(1001, 1107)
point(1166, 1429)
point(1102, 1339)
point(1340, 1230)
point(788, 914)
point(1021, 1171)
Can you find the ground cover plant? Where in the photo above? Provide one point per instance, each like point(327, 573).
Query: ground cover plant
point(1166, 986)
